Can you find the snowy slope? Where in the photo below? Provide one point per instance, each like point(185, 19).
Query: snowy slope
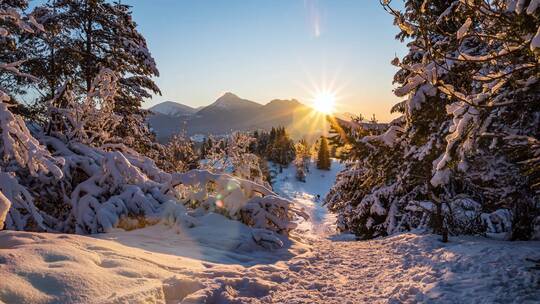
point(157, 264)
point(407, 268)
point(218, 262)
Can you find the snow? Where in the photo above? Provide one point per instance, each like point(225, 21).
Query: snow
point(389, 137)
point(318, 182)
point(216, 240)
point(173, 109)
point(139, 267)
point(5, 204)
point(219, 260)
point(198, 138)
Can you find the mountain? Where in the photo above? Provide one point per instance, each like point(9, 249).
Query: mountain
point(229, 102)
point(228, 113)
point(289, 113)
point(172, 108)
point(232, 113)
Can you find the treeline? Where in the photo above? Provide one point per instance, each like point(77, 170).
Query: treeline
point(463, 157)
point(279, 148)
point(276, 145)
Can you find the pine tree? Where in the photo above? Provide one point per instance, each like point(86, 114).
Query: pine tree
point(373, 120)
point(89, 35)
point(323, 155)
point(302, 160)
point(467, 131)
point(82, 38)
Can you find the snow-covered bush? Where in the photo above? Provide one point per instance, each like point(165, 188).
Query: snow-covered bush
point(180, 154)
point(103, 187)
point(232, 155)
point(89, 120)
point(240, 199)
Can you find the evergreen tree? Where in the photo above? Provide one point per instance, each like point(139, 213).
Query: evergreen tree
point(88, 35)
point(323, 155)
point(205, 147)
point(373, 120)
point(302, 160)
point(83, 37)
point(461, 158)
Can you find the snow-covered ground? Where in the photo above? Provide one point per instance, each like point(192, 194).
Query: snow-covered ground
point(218, 262)
point(318, 183)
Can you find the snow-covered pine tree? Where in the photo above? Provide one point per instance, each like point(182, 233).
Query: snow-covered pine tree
point(482, 56)
point(50, 55)
point(14, 26)
point(85, 36)
point(323, 155)
point(302, 159)
point(460, 158)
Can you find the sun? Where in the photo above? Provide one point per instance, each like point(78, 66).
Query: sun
point(325, 102)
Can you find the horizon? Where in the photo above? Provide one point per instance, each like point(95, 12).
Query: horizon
point(262, 103)
point(309, 50)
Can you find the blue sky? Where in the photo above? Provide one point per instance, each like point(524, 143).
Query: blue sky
point(263, 50)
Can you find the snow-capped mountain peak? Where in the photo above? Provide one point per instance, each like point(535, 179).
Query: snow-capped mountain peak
point(172, 108)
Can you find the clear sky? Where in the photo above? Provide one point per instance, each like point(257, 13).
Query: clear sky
point(267, 49)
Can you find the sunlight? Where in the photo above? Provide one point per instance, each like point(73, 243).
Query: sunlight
point(325, 102)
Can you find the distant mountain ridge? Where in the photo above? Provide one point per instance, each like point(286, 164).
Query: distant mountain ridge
point(230, 101)
point(232, 113)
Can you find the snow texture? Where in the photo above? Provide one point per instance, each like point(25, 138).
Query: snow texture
point(406, 268)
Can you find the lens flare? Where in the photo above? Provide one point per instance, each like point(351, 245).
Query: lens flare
point(325, 102)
